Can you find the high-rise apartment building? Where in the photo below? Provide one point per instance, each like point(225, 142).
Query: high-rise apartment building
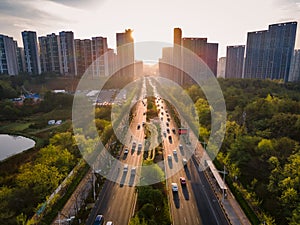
point(295, 67)
point(269, 52)
point(50, 54)
point(112, 61)
point(100, 60)
point(32, 58)
point(177, 75)
point(165, 63)
point(83, 52)
point(21, 60)
point(208, 52)
point(234, 61)
point(221, 67)
point(8, 56)
point(67, 46)
point(125, 53)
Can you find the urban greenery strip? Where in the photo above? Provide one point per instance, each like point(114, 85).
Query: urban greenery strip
point(62, 199)
point(239, 197)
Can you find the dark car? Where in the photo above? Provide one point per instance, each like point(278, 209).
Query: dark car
point(182, 181)
point(99, 220)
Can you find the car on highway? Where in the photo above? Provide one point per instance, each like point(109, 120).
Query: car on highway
point(165, 134)
point(170, 139)
point(126, 151)
point(168, 119)
point(168, 130)
point(182, 181)
point(161, 118)
point(175, 152)
point(99, 220)
point(133, 145)
point(162, 113)
point(140, 147)
point(125, 168)
point(184, 162)
point(169, 157)
point(133, 171)
point(173, 130)
point(109, 223)
point(174, 187)
point(167, 123)
point(180, 147)
point(138, 126)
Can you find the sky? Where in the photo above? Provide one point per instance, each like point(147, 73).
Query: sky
point(224, 22)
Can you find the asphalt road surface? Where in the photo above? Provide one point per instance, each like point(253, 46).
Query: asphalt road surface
point(117, 199)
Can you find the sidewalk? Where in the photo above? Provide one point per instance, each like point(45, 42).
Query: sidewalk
point(78, 197)
point(230, 206)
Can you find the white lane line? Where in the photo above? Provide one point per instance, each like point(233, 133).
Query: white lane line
point(184, 219)
point(197, 220)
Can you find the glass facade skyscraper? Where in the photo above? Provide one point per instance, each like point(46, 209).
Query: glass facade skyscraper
point(269, 52)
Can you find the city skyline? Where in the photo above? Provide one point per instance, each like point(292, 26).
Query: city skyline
point(151, 21)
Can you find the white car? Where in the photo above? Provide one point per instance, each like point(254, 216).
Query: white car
point(125, 169)
point(126, 151)
point(184, 161)
point(174, 187)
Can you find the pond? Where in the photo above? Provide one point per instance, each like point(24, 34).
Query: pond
point(11, 145)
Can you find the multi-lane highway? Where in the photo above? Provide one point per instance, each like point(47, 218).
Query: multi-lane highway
point(182, 202)
point(194, 203)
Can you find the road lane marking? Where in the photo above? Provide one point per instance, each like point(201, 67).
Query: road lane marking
point(184, 219)
point(197, 220)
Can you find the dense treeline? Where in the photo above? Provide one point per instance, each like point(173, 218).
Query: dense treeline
point(261, 147)
point(23, 191)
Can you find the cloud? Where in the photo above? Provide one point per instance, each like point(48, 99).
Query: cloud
point(78, 3)
point(25, 10)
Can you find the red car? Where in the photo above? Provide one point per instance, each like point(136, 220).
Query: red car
point(182, 181)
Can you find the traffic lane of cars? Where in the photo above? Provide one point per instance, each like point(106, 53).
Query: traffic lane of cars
point(115, 207)
point(180, 190)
